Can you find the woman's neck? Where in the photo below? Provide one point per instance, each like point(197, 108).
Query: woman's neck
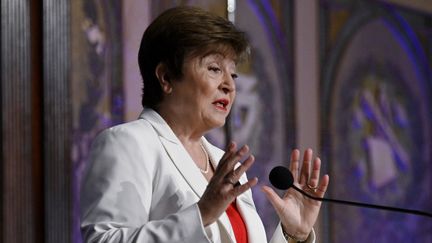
point(186, 131)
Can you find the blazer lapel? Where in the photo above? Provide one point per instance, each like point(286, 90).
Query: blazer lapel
point(254, 226)
point(216, 154)
point(177, 153)
point(187, 168)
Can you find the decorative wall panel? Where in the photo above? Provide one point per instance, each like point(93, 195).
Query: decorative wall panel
point(377, 132)
point(96, 87)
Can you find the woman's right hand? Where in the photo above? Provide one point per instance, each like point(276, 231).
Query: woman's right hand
point(223, 187)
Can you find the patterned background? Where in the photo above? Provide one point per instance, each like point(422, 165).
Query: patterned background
point(377, 110)
point(376, 88)
point(97, 87)
point(63, 81)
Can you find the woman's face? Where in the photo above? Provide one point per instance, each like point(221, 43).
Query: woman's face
point(205, 93)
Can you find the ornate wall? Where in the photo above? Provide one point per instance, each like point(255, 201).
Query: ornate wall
point(97, 85)
point(377, 118)
point(62, 82)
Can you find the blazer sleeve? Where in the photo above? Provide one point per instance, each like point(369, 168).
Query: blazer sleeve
point(116, 196)
point(278, 236)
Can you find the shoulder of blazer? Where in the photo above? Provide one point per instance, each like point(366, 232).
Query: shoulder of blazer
point(134, 129)
point(137, 137)
point(159, 125)
point(129, 145)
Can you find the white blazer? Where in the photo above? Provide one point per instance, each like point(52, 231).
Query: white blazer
point(141, 185)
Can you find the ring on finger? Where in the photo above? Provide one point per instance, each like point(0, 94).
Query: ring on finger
point(313, 188)
point(231, 181)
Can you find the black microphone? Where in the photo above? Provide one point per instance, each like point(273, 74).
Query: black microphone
point(282, 178)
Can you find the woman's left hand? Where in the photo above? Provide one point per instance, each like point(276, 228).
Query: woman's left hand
point(298, 213)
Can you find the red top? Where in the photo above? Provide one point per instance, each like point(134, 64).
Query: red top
point(237, 223)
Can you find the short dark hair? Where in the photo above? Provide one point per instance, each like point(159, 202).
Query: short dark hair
point(179, 33)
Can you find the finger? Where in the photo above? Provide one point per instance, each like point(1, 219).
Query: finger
point(246, 186)
point(230, 150)
point(295, 163)
point(315, 173)
point(233, 158)
point(220, 171)
point(304, 173)
point(273, 197)
point(322, 187)
point(239, 171)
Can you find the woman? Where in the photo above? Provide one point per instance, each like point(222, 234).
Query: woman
point(157, 179)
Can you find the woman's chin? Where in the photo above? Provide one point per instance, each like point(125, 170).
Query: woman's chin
point(217, 124)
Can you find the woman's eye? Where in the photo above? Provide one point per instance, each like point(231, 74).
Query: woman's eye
point(214, 69)
point(234, 76)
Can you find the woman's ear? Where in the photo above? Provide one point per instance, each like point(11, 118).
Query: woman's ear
point(163, 76)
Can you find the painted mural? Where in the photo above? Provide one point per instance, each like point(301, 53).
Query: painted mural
point(97, 91)
point(377, 133)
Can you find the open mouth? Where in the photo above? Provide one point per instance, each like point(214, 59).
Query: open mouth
point(221, 104)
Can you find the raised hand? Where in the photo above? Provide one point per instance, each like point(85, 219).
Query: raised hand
point(298, 213)
point(223, 188)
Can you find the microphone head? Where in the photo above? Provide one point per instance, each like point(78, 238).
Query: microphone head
point(281, 178)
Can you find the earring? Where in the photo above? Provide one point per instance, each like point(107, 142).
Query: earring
point(169, 90)
point(166, 87)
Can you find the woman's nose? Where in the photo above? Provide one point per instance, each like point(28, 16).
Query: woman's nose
point(228, 84)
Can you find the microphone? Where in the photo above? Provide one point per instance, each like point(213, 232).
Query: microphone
point(282, 178)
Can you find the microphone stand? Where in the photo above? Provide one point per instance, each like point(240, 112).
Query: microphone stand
point(395, 209)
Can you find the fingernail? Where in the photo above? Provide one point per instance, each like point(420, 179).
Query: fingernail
point(244, 148)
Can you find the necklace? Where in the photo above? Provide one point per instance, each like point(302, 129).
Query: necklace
point(206, 170)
